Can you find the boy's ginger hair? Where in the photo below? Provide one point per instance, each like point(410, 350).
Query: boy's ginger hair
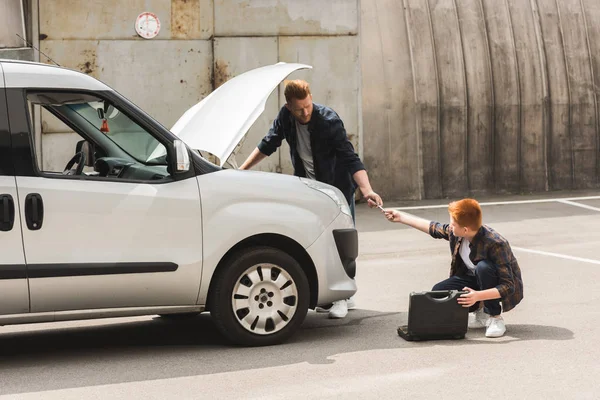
point(466, 212)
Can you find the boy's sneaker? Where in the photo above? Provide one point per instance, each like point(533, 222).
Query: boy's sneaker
point(496, 327)
point(478, 319)
point(339, 309)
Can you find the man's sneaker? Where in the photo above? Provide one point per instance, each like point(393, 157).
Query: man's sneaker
point(351, 303)
point(339, 309)
point(496, 327)
point(478, 319)
point(324, 309)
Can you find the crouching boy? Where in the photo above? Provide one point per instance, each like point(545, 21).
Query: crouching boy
point(482, 263)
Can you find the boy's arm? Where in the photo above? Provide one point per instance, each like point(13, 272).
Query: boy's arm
point(474, 296)
point(501, 256)
point(435, 229)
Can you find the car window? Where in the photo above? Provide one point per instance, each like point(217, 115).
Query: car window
point(119, 128)
point(64, 122)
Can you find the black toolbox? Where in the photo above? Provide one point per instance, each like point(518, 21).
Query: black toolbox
point(435, 315)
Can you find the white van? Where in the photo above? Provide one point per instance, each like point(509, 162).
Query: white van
point(138, 222)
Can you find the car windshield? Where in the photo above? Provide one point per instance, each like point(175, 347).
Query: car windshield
point(121, 130)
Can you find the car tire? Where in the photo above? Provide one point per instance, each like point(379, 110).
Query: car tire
point(260, 297)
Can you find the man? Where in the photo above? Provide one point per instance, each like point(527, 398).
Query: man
point(320, 150)
point(482, 263)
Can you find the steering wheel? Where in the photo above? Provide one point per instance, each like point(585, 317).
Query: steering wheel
point(78, 158)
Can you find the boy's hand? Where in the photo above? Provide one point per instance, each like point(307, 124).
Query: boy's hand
point(468, 299)
point(393, 215)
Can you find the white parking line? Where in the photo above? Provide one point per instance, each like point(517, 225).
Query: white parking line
point(566, 257)
point(566, 200)
point(572, 203)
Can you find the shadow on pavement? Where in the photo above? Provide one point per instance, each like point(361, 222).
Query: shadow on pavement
point(159, 348)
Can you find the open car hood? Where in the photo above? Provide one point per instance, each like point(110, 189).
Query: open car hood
point(219, 122)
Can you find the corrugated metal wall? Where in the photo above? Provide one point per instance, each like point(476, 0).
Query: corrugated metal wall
point(465, 97)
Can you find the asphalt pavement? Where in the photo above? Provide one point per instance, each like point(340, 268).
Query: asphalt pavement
point(550, 350)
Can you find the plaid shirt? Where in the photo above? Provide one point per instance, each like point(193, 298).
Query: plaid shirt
point(490, 246)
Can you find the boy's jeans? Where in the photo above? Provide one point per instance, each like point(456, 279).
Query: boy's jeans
point(486, 277)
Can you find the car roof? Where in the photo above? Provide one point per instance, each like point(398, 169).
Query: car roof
point(27, 74)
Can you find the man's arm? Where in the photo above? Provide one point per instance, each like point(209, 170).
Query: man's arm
point(362, 180)
point(253, 159)
point(350, 160)
point(268, 145)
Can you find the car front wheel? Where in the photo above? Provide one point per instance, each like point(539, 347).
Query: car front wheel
point(260, 297)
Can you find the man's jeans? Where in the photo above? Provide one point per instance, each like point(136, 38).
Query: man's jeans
point(352, 211)
point(486, 277)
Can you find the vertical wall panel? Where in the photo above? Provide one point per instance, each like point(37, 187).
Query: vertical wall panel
point(451, 81)
point(480, 96)
point(532, 148)
point(582, 122)
point(285, 17)
point(390, 142)
point(115, 19)
point(591, 10)
point(164, 89)
point(426, 94)
point(560, 169)
point(506, 96)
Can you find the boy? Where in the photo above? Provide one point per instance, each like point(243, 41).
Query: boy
point(482, 263)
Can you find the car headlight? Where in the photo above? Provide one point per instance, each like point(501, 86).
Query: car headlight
point(334, 194)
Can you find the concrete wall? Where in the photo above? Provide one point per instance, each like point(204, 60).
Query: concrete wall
point(442, 98)
point(480, 96)
point(203, 43)
point(11, 24)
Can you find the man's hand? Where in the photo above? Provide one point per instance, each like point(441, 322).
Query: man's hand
point(362, 180)
point(253, 159)
point(373, 199)
point(467, 300)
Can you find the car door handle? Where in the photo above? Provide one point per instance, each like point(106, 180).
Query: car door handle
point(7, 212)
point(34, 211)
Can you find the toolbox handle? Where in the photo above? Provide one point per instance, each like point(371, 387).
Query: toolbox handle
point(441, 296)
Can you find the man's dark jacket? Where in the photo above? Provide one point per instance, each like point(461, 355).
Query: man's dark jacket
point(333, 155)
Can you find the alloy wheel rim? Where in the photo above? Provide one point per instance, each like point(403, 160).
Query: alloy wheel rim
point(264, 299)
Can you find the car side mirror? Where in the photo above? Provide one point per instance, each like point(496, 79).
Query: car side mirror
point(182, 156)
point(87, 148)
